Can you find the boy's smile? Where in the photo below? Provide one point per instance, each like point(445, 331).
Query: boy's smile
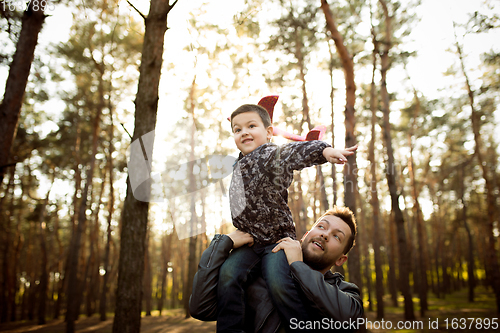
point(249, 132)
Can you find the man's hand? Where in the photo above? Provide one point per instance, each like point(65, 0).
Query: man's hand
point(240, 238)
point(338, 156)
point(292, 248)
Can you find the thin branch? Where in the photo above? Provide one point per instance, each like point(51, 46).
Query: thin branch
point(126, 130)
point(137, 10)
point(172, 6)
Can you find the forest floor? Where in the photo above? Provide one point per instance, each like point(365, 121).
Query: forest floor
point(171, 321)
point(450, 314)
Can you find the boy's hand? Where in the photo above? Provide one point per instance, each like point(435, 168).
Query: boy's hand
point(292, 248)
point(338, 156)
point(240, 238)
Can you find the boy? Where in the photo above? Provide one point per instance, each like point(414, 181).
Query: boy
point(258, 199)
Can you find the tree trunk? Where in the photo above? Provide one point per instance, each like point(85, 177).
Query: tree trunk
point(18, 246)
point(492, 266)
point(404, 269)
point(176, 271)
point(10, 109)
point(31, 273)
point(90, 280)
point(135, 213)
point(166, 247)
point(350, 177)
point(332, 125)
point(9, 268)
point(417, 213)
point(470, 250)
point(391, 274)
point(301, 213)
point(379, 275)
point(43, 287)
point(193, 228)
point(111, 209)
point(307, 118)
point(363, 244)
point(147, 277)
point(75, 287)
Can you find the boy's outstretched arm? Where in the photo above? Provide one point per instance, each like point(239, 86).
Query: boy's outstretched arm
point(338, 156)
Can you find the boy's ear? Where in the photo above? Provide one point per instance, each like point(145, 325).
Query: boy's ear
point(270, 130)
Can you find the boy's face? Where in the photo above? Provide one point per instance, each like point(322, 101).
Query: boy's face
point(249, 131)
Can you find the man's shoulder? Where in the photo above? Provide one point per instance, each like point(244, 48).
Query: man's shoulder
point(338, 279)
point(333, 278)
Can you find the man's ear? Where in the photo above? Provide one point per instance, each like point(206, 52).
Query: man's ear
point(270, 130)
point(304, 237)
point(340, 261)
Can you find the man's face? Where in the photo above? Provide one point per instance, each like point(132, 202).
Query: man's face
point(324, 244)
point(249, 131)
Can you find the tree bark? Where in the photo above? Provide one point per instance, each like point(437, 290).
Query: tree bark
point(58, 281)
point(492, 266)
point(392, 279)
point(10, 109)
point(43, 287)
point(350, 176)
point(363, 245)
point(75, 286)
point(9, 268)
point(332, 124)
point(148, 279)
point(90, 280)
point(417, 213)
point(166, 246)
point(111, 205)
point(374, 201)
point(135, 213)
point(193, 228)
point(404, 269)
point(470, 250)
point(301, 212)
point(176, 273)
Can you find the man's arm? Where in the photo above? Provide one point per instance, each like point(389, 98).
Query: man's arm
point(203, 300)
point(340, 301)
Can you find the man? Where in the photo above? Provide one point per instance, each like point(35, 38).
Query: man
point(332, 303)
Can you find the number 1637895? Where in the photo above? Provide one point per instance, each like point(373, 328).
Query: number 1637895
point(22, 5)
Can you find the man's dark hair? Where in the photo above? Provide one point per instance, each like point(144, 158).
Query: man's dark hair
point(264, 115)
point(346, 215)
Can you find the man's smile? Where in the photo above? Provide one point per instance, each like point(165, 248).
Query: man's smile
point(318, 244)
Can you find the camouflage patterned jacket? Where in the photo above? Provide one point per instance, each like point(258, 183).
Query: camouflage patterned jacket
point(258, 192)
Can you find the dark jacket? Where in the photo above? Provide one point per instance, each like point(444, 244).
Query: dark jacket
point(328, 294)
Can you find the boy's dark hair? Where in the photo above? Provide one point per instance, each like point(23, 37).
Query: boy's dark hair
point(346, 215)
point(264, 115)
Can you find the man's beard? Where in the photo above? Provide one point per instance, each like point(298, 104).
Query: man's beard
point(316, 262)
